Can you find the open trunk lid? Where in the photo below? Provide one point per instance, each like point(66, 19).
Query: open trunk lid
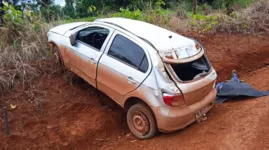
point(195, 79)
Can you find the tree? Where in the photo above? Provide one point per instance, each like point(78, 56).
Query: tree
point(69, 8)
point(44, 3)
point(1, 12)
point(194, 7)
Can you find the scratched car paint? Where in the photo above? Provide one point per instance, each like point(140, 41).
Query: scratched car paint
point(162, 79)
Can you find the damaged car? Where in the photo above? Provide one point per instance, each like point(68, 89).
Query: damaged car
point(162, 79)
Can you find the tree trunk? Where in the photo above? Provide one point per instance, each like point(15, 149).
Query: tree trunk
point(1, 13)
point(194, 7)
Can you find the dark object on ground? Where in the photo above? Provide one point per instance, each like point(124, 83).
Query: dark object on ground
point(233, 89)
point(6, 122)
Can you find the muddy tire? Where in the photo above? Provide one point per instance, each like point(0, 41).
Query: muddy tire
point(141, 121)
point(55, 52)
point(57, 58)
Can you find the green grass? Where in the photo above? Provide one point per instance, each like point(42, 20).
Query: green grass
point(167, 12)
point(88, 19)
point(243, 3)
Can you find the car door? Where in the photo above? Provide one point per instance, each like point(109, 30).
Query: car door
point(90, 44)
point(123, 67)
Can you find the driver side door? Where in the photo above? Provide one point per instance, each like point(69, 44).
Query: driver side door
point(90, 45)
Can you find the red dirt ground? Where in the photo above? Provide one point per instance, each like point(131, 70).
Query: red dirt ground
point(53, 114)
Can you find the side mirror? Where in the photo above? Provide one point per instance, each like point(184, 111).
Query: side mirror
point(73, 39)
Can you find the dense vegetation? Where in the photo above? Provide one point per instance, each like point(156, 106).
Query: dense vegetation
point(86, 8)
point(201, 15)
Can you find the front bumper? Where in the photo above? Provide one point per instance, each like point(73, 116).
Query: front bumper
point(173, 118)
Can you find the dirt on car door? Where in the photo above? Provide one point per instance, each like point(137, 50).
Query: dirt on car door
point(122, 68)
point(89, 47)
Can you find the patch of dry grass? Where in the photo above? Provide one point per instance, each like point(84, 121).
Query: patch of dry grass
point(252, 20)
point(258, 16)
point(22, 49)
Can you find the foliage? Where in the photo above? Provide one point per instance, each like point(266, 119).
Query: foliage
point(69, 10)
point(126, 13)
point(217, 4)
point(52, 13)
point(205, 9)
point(91, 9)
point(158, 6)
point(206, 22)
point(11, 14)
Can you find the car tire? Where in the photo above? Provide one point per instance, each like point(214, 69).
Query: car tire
point(141, 121)
point(55, 52)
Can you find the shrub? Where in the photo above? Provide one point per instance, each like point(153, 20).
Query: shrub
point(257, 16)
point(23, 45)
point(254, 19)
point(126, 13)
point(219, 4)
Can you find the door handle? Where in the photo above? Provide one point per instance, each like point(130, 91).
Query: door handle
point(93, 61)
point(131, 80)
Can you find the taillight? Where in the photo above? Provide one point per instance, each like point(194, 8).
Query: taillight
point(173, 100)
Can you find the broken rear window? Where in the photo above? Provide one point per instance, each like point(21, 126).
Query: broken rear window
point(192, 70)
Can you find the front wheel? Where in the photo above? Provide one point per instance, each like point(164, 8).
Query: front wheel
point(141, 121)
point(56, 56)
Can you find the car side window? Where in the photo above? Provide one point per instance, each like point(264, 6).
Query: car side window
point(128, 52)
point(93, 36)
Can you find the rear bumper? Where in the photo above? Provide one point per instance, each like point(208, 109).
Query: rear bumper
point(173, 118)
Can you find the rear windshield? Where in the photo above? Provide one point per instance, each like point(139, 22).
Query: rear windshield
point(192, 70)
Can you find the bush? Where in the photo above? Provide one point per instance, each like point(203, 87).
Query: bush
point(254, 19)
point(23, 45)
point(220, 4)
point(126, 13)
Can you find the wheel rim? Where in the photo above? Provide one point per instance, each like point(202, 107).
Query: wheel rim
point(140, 123)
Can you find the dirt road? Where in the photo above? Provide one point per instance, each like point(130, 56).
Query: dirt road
point(54, 114)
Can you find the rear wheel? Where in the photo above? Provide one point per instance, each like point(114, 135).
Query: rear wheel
point(141, 121)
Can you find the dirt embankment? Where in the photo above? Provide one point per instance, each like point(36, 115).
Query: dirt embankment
point(54, 114)
point(245, 53)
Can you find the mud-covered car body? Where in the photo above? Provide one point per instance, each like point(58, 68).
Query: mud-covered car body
point(136, 62)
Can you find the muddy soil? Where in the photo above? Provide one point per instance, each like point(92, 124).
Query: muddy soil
point(55, 114)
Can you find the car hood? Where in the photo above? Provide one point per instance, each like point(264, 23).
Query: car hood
point(62, 29)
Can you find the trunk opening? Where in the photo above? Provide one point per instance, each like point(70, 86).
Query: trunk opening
point(192, 70)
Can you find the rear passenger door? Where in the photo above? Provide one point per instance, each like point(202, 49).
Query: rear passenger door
point(123, 67)
point(90, 45)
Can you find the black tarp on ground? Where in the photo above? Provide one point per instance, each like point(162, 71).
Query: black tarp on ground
point(232, 89)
